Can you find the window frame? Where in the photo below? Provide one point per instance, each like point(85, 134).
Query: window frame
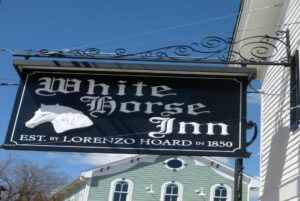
point(113, 188)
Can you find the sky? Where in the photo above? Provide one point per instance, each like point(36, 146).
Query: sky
point(134, 25)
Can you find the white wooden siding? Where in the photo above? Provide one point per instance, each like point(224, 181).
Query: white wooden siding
point(280, 148)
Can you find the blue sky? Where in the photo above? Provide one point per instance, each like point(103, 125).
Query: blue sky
point(135, 25)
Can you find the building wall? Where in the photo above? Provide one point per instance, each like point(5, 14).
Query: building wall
point(75, 195)
point(142, 175)
point(280, 147)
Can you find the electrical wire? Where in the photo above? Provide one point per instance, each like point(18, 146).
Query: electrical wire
point(156, 31)
point(281, 110)
point(171, 28)
point(256, 155)
point(178, 26)
point(266, 7)
point(13, 51)
point(9, 84)
point(198, 36)
point(164, 41)
point(9, 79)
point(264, 93)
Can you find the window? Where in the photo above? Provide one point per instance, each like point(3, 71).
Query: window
point(174, 164)
point(294, 92)
point(171, 191)
point(220, 192)
point(121, 190)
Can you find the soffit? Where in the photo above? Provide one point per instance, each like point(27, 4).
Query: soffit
point(258, 18)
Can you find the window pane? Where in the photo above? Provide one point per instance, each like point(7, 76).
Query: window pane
point(123, 197)
point(174, 163)
point(169, 190)
point(117, 197)
point(220, 199)
point(118, 187)
point(224, 193)
point(174, 198)
point(172, 189)
point(217, 192)
point(125, 187)
point(167, 198)
point(175, 190)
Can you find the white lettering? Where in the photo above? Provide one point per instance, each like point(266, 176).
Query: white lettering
point(176, 110)
point(143, 141)
point(149, 107)
point(139, 88)
point(99, 104)
point(92, 85)
point(165, 125)
point(53, 85)
point(182, 127)
point(157, 92)
point(122, 87)
point(197, 106)
point(210, 128)
point(136, 107)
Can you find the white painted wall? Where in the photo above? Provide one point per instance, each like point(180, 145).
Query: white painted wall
point(280, 148)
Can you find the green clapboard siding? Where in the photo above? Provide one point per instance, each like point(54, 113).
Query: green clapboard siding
point(143, 174)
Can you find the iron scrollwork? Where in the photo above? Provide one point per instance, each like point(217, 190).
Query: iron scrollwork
point(212, 49)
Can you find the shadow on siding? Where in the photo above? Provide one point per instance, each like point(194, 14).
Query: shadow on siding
point(275, 165)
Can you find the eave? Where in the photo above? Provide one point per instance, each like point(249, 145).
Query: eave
point(258, 18)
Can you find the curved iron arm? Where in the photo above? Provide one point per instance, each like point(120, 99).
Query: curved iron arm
point(258, 50)
point(250, 125)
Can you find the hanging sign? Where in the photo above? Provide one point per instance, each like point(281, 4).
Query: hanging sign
point(129, 113)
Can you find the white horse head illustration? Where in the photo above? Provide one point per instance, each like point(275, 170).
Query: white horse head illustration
point(62, 118)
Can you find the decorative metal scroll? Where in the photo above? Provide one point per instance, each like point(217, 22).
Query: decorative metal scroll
point(212, 49)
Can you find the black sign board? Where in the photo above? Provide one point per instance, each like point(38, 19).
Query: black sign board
point(129, 113)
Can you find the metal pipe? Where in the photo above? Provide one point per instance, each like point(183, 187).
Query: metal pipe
point(238, 179)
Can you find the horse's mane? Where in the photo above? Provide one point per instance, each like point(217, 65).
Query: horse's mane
point(67, 118)
point(59, 109)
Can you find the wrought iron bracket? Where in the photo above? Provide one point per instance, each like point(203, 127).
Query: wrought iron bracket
point(250, 125)
point(254, 50)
